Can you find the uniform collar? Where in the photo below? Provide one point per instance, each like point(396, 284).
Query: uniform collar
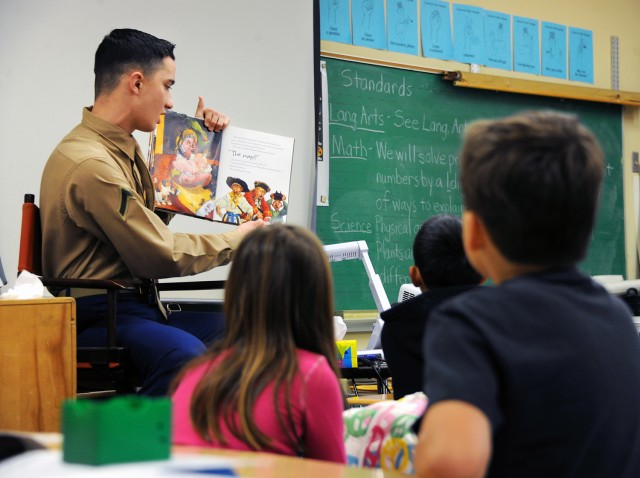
point(112, 133)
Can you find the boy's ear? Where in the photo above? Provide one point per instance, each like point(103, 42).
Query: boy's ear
point(479, 247)
point(416, 278)
point(474, 235)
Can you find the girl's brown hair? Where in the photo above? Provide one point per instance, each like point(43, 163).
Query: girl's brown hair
point(278, 298)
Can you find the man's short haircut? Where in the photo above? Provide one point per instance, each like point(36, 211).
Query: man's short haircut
point(123, 49)
point(439, 255)
point(534, 180)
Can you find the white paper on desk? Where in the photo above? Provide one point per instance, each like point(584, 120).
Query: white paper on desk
point(49, 463)
point(27, 286)
point(339, 327)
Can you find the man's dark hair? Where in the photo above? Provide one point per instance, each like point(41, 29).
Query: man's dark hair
point(126, 48)
point(439, 255)
point(534, 180)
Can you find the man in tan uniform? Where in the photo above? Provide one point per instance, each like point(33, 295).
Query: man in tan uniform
point(97, 202)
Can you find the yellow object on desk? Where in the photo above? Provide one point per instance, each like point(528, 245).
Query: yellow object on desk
point(347, 353)
point(364, 400)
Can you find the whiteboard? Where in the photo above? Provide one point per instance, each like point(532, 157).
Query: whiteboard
point(249, 59)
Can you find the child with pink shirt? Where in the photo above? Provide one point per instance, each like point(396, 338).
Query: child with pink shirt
point(271, 384)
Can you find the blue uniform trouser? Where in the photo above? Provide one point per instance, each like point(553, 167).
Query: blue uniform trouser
point(159, 348)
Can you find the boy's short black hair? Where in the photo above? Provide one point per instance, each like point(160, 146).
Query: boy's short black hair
point(124, 48)
point(439, 255)
point(534, 180)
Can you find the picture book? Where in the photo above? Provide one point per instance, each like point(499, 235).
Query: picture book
point(233, 176)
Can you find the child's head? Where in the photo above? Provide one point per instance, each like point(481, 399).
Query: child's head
point(533, 180)
point(280, 291)
point(439, 256)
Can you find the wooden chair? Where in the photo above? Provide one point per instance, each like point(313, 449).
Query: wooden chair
point(99, 368)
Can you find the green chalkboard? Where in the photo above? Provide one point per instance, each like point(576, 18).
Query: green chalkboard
point(394, 137)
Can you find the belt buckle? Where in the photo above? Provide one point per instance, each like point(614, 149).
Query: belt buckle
point(173, 307)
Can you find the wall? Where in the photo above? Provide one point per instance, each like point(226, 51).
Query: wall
point(246, 58)
point(605, 19)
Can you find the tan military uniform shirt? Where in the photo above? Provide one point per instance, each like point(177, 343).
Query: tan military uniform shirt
point(96, 202)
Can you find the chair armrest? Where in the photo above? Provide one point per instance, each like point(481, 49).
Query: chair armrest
point(92, 283)
point(130, 285)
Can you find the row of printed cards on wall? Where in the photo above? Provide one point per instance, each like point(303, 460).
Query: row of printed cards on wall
point(462, 33)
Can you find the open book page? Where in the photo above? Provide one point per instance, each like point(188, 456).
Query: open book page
point(259, 163)
point(234, 176)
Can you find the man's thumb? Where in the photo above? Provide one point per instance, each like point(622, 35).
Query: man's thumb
point(200, 107)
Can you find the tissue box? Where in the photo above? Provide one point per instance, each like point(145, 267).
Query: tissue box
point(122, 429)
point(347, 353)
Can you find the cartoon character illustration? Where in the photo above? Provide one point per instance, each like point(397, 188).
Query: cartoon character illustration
point(468, 33)
point(278, 206)
point(233, 206)
point(255, 197)
point(333, 5)
point(403, 21)
point(190, 168)
point(192, 172)
point(497, 42)
point(527, 43)
point(435, 23)
point(582, 53)
point(367, 12)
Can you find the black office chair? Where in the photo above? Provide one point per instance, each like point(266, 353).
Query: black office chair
point(99, 368)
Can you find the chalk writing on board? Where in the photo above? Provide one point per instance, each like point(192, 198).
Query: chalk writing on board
point(394, 140)
point(379, 83)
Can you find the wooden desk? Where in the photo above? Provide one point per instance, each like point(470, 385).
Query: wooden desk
point(37, 362)
point(277, 466)
point(243, 464)
point(363, 400)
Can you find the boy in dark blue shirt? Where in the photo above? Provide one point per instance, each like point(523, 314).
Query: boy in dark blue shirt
point(441, 270)
point(538, 376)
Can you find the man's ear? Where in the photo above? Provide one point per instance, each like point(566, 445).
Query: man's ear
point(134, 82)
point(416, 278)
